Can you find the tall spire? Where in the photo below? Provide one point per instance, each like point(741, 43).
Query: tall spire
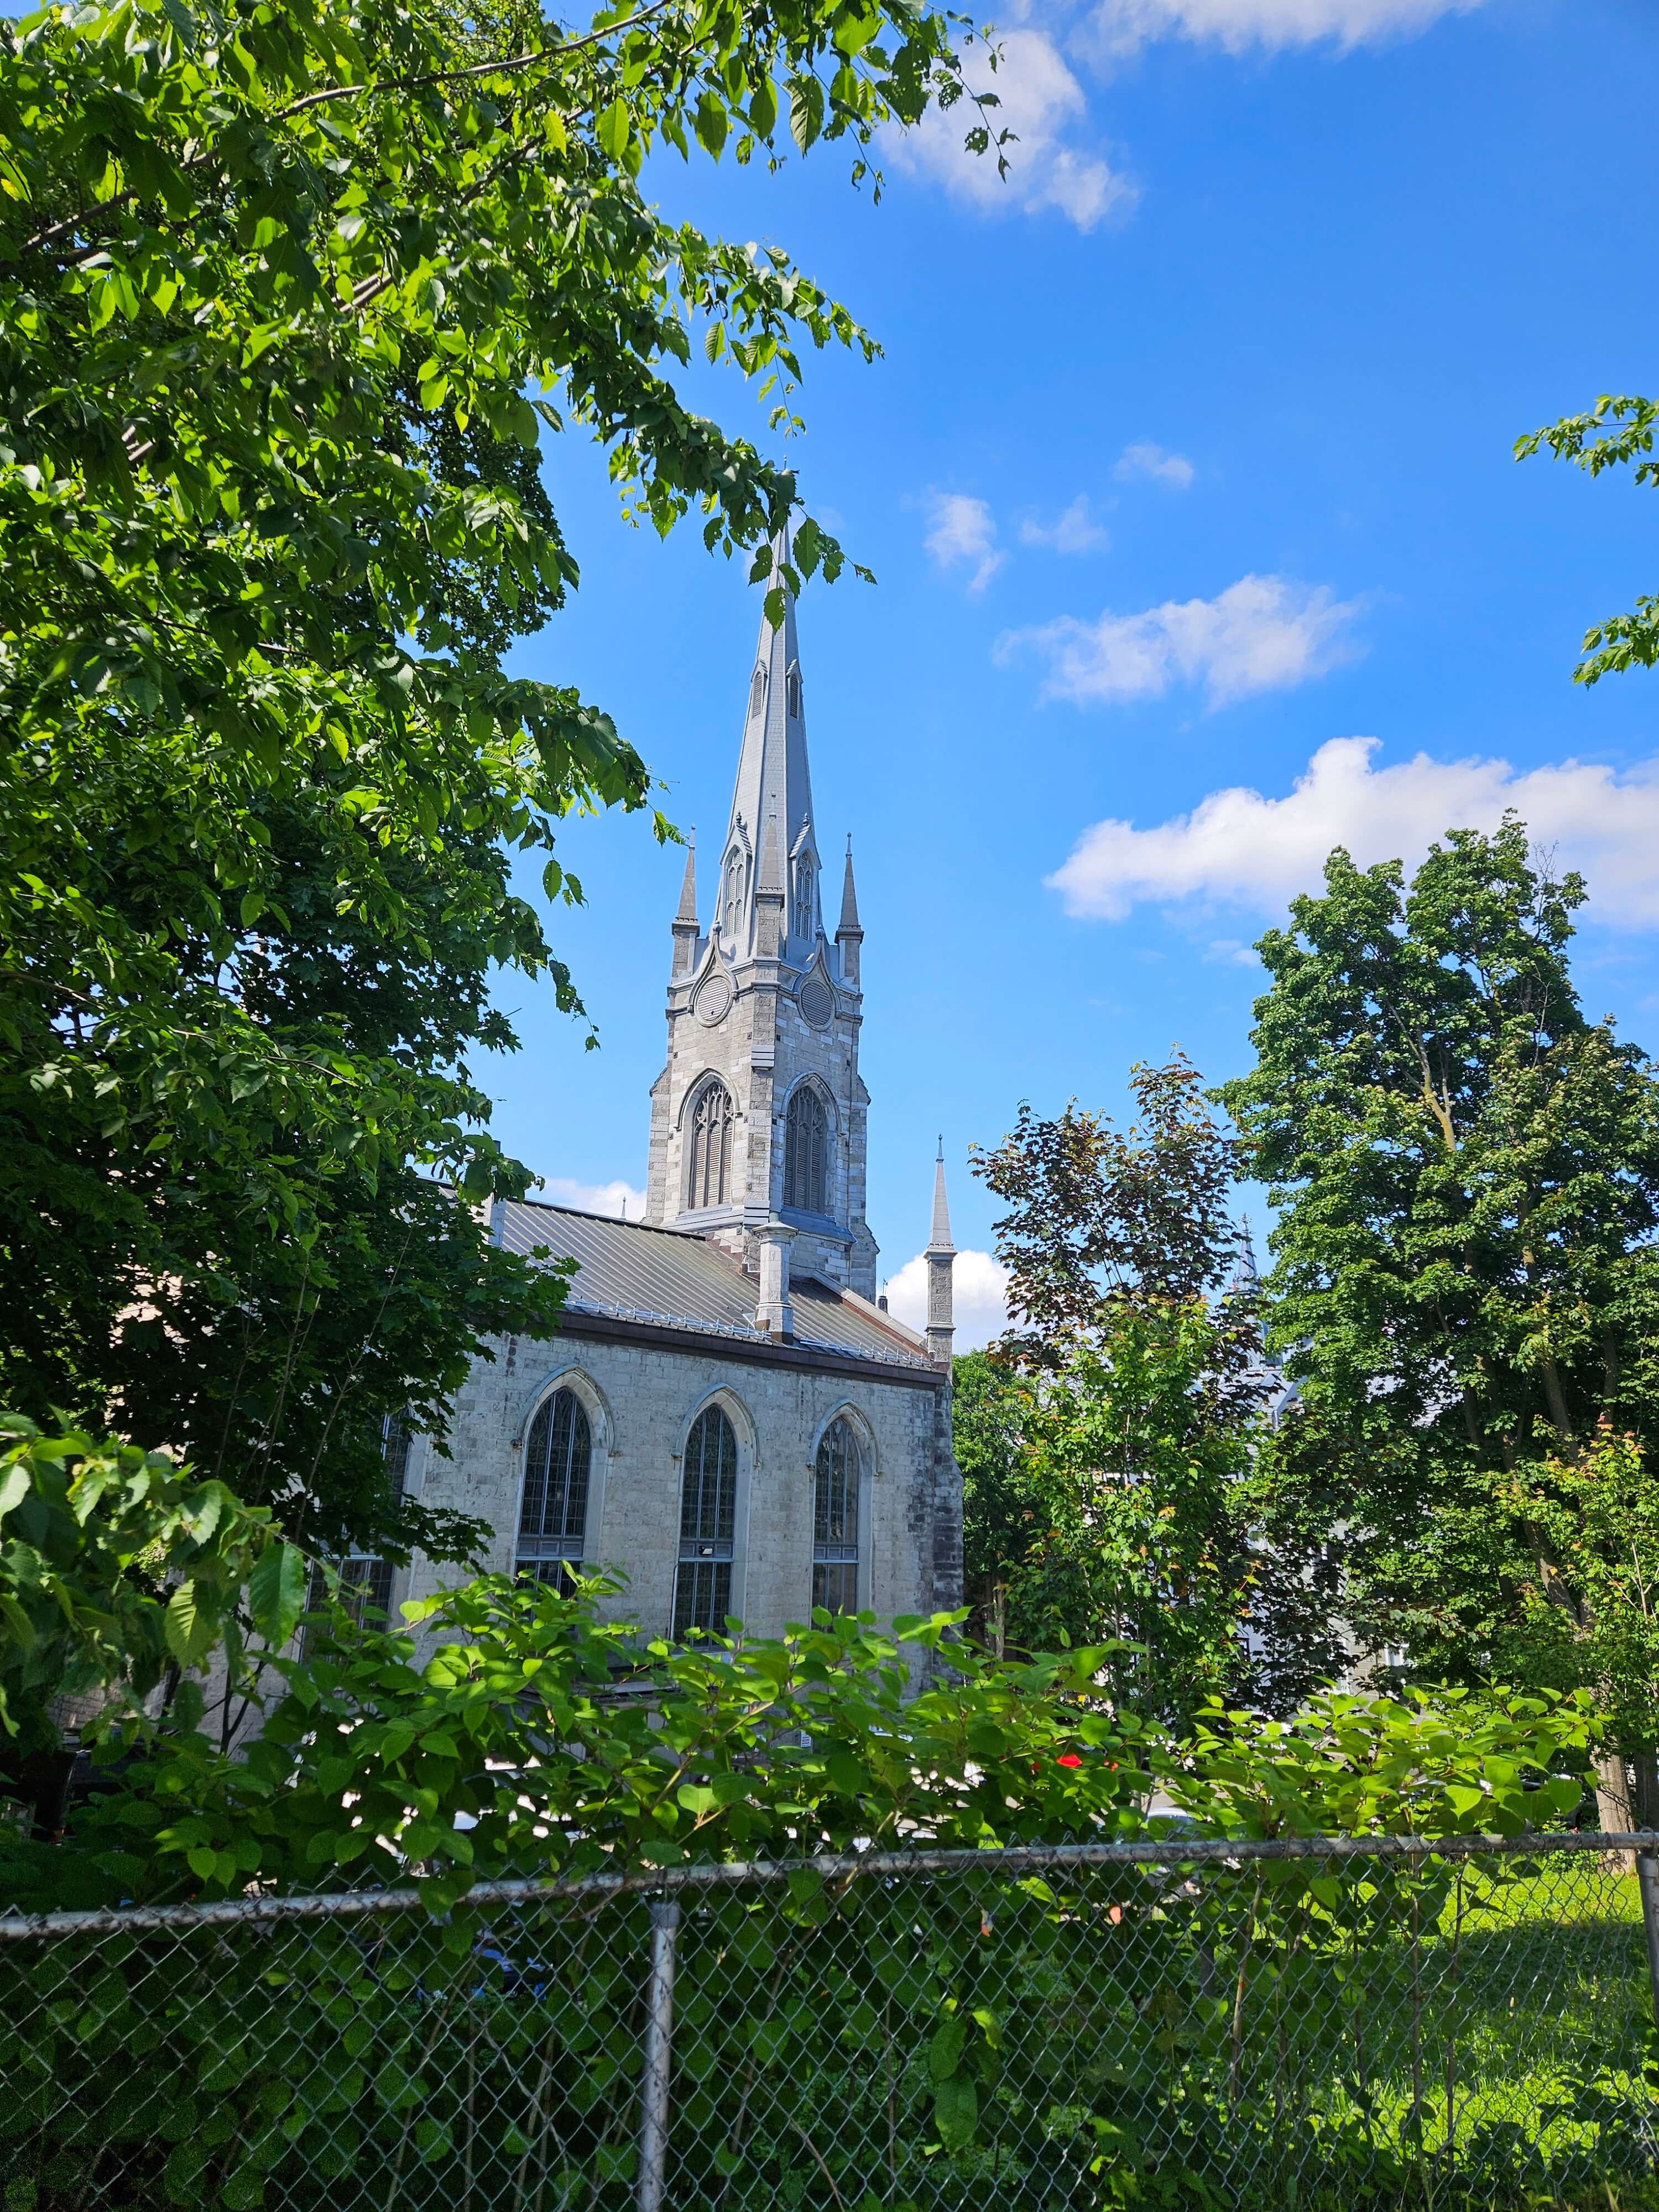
point(685, 922)
point(940, 1239)
point(689, 885)
point(850, 933)
point(941, 1258)
point(849, 898)
point(773, 781)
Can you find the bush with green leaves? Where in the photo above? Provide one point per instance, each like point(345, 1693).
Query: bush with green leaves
point(1051, 2039)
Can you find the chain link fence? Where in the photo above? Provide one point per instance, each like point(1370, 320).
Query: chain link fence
point(1354, 2023)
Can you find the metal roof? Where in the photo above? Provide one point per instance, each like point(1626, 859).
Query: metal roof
point(667, 1278)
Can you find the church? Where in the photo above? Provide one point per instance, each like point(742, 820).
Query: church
point(728, 1418)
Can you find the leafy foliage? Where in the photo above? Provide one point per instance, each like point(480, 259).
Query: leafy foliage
point(1467, 1175)
point(117, 1566)
point(292, 294)
point(1616, 433)
point(1136, 1346)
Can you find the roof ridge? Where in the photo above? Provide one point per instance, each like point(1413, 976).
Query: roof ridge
point(615, 1220)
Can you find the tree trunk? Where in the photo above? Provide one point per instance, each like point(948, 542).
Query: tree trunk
point(1615, 1814)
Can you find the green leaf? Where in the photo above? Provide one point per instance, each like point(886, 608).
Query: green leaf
point(711, 124)
point(276, 1591)
point(955, 2111)
point(189, 1624)
point(612, 129)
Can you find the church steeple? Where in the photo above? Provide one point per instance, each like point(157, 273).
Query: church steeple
point(758, 1122)
point(772, 781)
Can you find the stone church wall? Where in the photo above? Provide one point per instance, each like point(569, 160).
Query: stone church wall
point(641, 1400)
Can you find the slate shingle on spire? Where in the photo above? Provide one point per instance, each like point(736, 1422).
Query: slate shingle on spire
point(773, 781)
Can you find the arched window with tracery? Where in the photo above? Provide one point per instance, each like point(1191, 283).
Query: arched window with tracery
point(708, 1520)
point(757, 693)
point(709, 1182)
point(836, 1519)
point(807, 1154)
point(804, 916)
point(558, 1461)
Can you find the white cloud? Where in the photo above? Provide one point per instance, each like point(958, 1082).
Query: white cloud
point(619, 1200)
point(1076, 531)
point(1042, 103)
point(1262, 634)
point(1239, 848)
point(964, 531)
point(979, 1292)
point(1157, 466)
point(1124, 25)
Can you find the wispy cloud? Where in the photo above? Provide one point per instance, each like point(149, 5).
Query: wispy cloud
point(1239, 847)
point(1052, 163)
point(964, 533)
point(979, 1292)
point(1262, 634)
point(619, 1200)
point(1153, 463)
point(1076, 531)
point(1124, 25)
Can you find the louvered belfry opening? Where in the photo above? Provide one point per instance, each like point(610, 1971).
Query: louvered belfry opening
point(709, 1180)
point(558, 1466)
point(709, 1517)
point(807, 1154)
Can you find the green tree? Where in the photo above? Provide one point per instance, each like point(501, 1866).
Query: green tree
point(1135, 1341)
point(1615, 434)
point(1002, 1503)
point(292, 294)
point(1467, 1284)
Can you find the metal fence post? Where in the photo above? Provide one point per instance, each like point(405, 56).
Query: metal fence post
point(1647, 1878)
point(659, 2054)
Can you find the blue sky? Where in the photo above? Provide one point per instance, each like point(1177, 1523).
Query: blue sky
point(1188, 466)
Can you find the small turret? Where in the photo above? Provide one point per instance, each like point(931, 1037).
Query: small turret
point(685, 922)
point(850, 933)
point(941, 1258)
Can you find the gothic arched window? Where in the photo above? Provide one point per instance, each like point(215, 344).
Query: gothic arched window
point(709, 1181)
point(558, 1460)
point(793, 693)
point(807, 1154)
point(804, 896)
point(709, 1519)
point(836, 1519)
point(757, 693)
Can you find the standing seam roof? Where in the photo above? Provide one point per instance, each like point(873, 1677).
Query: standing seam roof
point(668, 1279)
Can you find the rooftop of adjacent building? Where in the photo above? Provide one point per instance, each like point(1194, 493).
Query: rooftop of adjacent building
point(629, 1271)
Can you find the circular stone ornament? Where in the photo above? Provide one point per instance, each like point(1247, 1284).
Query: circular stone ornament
point(714, 999)
point(818, 1002)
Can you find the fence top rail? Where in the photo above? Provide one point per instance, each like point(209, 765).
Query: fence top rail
point(1171, 1852)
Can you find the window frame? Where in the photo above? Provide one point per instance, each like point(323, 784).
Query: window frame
point(542, 1554)
point(706, 1557)
point(838, 1557)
